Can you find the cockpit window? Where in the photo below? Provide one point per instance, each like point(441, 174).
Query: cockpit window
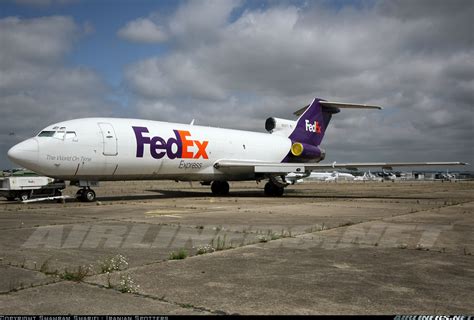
point(70, 135)
point(46, 133)
point(59, 134)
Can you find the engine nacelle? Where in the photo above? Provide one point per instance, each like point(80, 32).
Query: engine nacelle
point(280, 126)
point(307, 152)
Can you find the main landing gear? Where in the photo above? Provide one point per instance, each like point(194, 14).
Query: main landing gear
point(273, 190)
point(86, 195)
point(220, 188)
point(275, 186)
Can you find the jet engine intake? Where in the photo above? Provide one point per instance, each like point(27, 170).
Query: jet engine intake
point(280, 126)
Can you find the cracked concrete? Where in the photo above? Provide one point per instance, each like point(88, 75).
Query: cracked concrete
point(356, 248)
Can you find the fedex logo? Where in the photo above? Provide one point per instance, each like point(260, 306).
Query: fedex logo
point(316, 128)
point(179, 146)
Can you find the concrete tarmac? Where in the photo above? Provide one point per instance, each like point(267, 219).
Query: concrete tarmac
point(322, 248)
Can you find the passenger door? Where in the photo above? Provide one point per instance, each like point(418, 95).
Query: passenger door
point(110, 147)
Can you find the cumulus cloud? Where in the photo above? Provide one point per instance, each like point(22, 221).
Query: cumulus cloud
point(142, 30)
point(414, 58)
point(36, 89)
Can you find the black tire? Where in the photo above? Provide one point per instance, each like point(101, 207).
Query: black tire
point(268, 190)
point(80, 195)
point(89, 195)
point(220, 188)
point(279, 191)
point(272, 190)
point(24, 196)
point(10, 198)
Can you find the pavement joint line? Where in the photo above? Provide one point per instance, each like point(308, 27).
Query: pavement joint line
point(32, 286)
point(161, 299)
point(381, 219)
point(59, 224)
point(124, 220)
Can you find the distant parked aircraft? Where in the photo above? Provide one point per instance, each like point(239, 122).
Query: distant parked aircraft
point(318, 176)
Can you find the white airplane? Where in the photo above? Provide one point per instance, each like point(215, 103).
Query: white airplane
point(446, 176)
point(318, 176)
point(368, 177)
point(336, 175)
point(89, 150)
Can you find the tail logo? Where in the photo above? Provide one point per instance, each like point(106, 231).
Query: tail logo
point(313, 127)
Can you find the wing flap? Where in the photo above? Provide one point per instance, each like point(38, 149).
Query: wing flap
point(274, 167)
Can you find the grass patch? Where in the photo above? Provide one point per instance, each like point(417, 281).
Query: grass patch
point(220, 244)
point(78, 275)
point(180, 255)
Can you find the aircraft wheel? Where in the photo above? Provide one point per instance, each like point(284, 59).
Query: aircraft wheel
point(79, 194)
point(24, 196)
point(88, 195)
point(279, 191)
point(272, 190)
point(220, 188)
point(10, 198)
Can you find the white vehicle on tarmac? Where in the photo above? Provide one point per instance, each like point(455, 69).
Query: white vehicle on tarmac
point(25, 187)
point(89, 150)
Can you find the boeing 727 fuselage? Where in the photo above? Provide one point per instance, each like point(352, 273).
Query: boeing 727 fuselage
point(89, 150)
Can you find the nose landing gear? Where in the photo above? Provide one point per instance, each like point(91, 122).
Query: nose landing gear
point(86, 195)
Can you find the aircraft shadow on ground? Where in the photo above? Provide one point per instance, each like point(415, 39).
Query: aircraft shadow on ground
point(257, 193)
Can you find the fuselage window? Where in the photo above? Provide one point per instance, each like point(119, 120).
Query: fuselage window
point(46, 133)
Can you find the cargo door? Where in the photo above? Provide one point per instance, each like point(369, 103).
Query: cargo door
point(110, 147)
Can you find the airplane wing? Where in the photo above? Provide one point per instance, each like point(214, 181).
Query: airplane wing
point(281, 168)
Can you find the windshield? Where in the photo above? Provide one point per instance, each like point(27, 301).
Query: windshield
point(59, 134)
point(46, 133)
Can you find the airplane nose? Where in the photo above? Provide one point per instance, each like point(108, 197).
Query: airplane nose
point(25, 153)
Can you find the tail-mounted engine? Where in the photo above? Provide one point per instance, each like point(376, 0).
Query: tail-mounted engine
point(280, 126)
point(307, 152)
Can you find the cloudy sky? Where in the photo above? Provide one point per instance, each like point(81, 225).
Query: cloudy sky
point(235, 63)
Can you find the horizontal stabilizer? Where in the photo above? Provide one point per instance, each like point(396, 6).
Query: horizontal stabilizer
point(349, 105)
point(339, 105)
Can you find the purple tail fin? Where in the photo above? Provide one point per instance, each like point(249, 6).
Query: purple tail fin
point(312, 124)
point(309, 133)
